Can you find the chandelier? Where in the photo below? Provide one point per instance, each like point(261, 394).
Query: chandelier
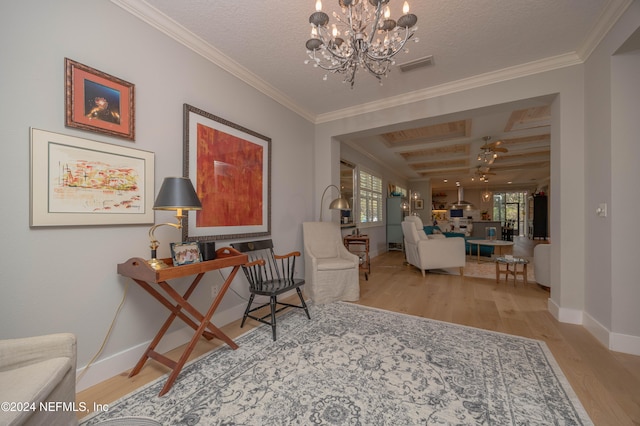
point(364, 36)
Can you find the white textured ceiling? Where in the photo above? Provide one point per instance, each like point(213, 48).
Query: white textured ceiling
point(263, 42)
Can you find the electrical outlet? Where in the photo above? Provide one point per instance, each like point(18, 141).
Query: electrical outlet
point(214, 290)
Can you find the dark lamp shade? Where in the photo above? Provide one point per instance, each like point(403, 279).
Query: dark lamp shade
point(177, 193)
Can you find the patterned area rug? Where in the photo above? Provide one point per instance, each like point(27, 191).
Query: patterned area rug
point(352, 365)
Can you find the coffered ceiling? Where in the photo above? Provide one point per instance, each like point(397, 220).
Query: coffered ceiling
point(472, 43)
point(445, 150)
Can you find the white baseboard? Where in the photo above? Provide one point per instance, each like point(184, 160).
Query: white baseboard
point(599, 331)
point(570, 316)
point(615, 341)
point(115, 364)
point(625, 343)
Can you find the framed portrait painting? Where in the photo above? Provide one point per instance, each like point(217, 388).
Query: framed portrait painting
point(230, 167)
point(76, 181)
point(98, 102)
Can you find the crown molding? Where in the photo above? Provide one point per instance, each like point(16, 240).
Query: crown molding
point(158, 20)
point(150, 15)
point(604, 24)
point(481, 80)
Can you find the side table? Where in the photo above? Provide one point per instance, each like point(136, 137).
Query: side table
point(511, 262)
point(148, 278)
point(359, 245)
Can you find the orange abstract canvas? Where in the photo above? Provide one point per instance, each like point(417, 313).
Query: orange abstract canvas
point(230, 167)
point(229, 179)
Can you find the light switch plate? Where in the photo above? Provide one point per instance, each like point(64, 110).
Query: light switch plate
point(602, 210)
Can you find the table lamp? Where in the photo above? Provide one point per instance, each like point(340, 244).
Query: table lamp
point(176, 193)
point(339, 203)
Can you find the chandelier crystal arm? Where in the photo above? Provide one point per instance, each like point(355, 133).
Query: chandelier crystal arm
point(376, 74)
point(374, 27)
point(407, 37)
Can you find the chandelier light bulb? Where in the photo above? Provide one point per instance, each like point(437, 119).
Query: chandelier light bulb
point(387, 13)
point(405, 7)
point(319, 5)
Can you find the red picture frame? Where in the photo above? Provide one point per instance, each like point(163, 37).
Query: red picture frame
point(98, 102)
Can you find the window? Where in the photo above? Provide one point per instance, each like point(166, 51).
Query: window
point(370, 195)
point(509, 208)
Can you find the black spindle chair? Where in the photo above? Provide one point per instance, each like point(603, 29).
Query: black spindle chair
point(270, 275)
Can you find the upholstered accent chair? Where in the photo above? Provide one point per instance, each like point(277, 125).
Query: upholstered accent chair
point(433, 251)
point(330, 270)
point(39, 370)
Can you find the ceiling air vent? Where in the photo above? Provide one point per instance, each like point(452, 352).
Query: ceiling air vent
point(418, 63)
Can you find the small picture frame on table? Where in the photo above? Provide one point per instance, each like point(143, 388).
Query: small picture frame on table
point(185, 253)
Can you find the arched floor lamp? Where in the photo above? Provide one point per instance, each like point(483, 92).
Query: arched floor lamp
point(339, 203)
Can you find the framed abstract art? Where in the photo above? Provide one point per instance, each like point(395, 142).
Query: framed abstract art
point(230, 167)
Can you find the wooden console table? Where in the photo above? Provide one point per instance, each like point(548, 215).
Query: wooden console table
point(148, 278)
point(361, 243)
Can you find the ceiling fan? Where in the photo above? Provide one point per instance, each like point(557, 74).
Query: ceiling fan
point(490, 150)
point(482, 175)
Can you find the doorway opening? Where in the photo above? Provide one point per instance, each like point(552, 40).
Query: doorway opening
point(509, 209)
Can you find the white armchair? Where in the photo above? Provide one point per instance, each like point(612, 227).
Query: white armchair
point(330, 271)
point(38, 369)
point(417, 222)
point(432, 252)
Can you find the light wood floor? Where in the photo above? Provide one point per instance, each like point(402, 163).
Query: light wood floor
point(607, 383)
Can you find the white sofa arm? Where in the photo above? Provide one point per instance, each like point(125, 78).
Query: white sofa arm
point(541, 264)
point(16, 353)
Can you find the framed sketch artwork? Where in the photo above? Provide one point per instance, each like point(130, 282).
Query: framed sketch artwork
point(77, 181)
point(230, 167)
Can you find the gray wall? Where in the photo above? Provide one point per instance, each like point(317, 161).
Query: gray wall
point(612, 97)
point(64, 279)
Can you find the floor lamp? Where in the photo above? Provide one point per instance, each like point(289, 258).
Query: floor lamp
point(339, 203)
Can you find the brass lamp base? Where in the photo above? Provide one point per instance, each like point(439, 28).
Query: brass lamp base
point(157, 264)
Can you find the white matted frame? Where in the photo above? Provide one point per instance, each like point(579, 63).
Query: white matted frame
point(77, 182)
